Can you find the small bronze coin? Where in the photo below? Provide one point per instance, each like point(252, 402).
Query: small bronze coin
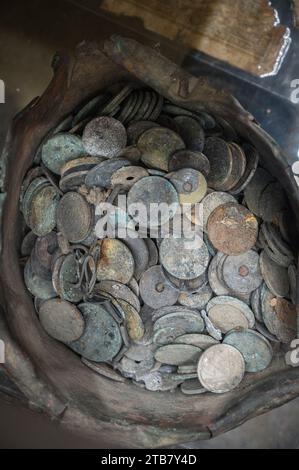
point(191, 132)
point(255, 349)
point(232, 229)
point(221, 162)
point(101, 174)
point(61, 320)
point(149, 192)
point(275, 276)
point(104, 136)
point(189, 159)
point(101, 340)
point(184, 259)
point(116, 262)
point(155, 291)
point(60, 149)
point(74, 217)
point(177, 354)
point(157, 145)
point(190, 184)
point(221, 368)
point(242, 273)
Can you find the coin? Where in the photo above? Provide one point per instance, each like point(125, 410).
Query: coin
point(101, 340)
point(255, 188)
point(197, 339)
point(28, 243)
point(272, 201)
point(36, 285)
point(160, 312)
point(191, 132)
point(116, 262)
point(236, 303)
point(190, 184)
point(183, 258)
point(197, 299)
point(41, 216)
point(104, 369)
point(120, 291)
point(221, 368)
point(139, 250)
point(238, 166)
point(127, 176)
point(189, 159)
point(153, 252)
point(157, 145)
point(186, 321)
point(61, 320)
point(242, 273)
point(155, 291)
point(279, 316)
point(89, 109)
point(104, 136)
point(134, 323)
point(226, 317)
point(68, 278)
point(42, 254)
point(101, 174)
point(74, 217)
point(216, 284)
point(275, 276)
point(116, 100)
point(221, 162)
point(255, 349)
point(60, 149)
point(177, 354)
point(149, 192)
point(80, 164)
point(252, 159)
point(232, 229)
point(209, 203)
point(255, 302)
point(192, 387)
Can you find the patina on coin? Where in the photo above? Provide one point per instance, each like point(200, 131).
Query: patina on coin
point(232, 229)
point(184, 258)
point(255, 349)
point(104, 369)
point(210, 202)
point(177, 354)
point(155, 291)
point(104, 136)
point(116, 262)
point(190, 184)
point(127, 176)
point(74, 217)
point(233, 302)
point(62, 320)
point(42, 210)
point(275, 276)
point(221, 368)
point(60, 149)
point(197, 299)
point(157, 145)
point(279, 316)
point(242, 273)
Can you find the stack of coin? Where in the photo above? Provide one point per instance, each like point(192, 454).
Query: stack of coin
point(196, 310)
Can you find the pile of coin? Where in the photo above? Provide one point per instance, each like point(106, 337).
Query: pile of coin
point(196, 311)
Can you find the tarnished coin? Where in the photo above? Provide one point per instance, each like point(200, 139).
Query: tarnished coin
point(101, 174)
point(157, 145)
point(120, 292)
point(104, 369)
point(74, 217)
point(104, 136)
point(209, 203)
point(68, 278)
point(190, 184)
point(29, 189)
point(187, 321)
point(28, 243)
point(255, 302)
point(177, 354)
point(279, 316)
point(261, 328)
point(255, 349)
point(221, 368)
point(242, 273)
point(116, 262)
point(139, 250)
point(153, 251)
point(61, 320)
point(127, 176)
point(41, 215)
point(218, 287)
point(146, 194)
point(155, 291)
point(187, 368)
point(232, 229)
point(226, 317)
point(197, 299)
point(141, 352)
point(275, 276)
point(60, 149)
point(236, 303)
point(252, 159)
point(221, 162)
point(132, 154)
point(189, 159)
point(133, 321)
point(80, 164)
point(101, 340)
point(197, 339)
point(192, 387)
point(160, 312)
point(116, 100)
point(272, 201)
point(42, 254)
point(183, 258)
point(38, 286)
point(191, 132)
point(238, 167)
point(135, 129)
point(254, 189)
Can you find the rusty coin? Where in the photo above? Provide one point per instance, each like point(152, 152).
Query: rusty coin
point(104, 136)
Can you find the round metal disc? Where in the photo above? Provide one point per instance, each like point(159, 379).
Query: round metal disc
point(61, 320)
point(116, 262)
point(101, 340)
point(60, 149)
point(42, 255)
point(89, 109)
point(116, 100)
point(197, 299)
point(221, 161)
point(208, 205)
point(155, 291)
point(74, 217)
point(189, 159)
point(226, 317)
point(153, 190)
point(192, 387)
point(197, 339)
point(221, 368)
point(120, 292)
point(28, 243)
point(216, 284)
point(279, 316)
point(157, 145)
point(252, 159)
point(127, 176)
point(68, 279)
point(272, 201)
point(275, 276)
point(238, 168)
point(139, 250)
point(132, 154)
point(153, 252)
point(232, 229)
point(183, 258)
point(101, 174)
point(137, 128)
point(177, 354)
point(104, 369)
point(38, 286)
point(42, 211)
point(186, 321)
point(133, 321)
point(255, 349)
point(190, 184)
point(191, 132)
point(104, 136)
point(242, 273)
point(236, 303)
point(255, 188)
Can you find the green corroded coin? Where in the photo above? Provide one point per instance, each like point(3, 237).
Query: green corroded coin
point(74, 217)
point(157, 145)
point(60, 149)
point(41, 216)
point(133, 321)
point(187, 321)
point(155, 291)
point(101, 340)
point(255, 349)
point(238, 304)
point(61, 320)
point(104, 136)
point(197, 299)
point(177, 354)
